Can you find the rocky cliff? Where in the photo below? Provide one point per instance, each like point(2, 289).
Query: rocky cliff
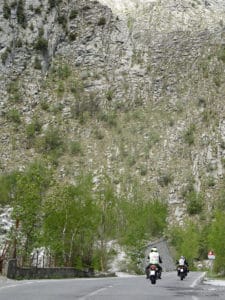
point(134, 90)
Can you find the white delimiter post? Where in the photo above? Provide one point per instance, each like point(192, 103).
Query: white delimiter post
point(211, 257)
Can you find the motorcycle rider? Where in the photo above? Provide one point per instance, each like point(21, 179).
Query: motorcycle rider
point(154, 259)
point(182, 262)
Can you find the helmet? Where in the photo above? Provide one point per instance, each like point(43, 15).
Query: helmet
point(154, 249)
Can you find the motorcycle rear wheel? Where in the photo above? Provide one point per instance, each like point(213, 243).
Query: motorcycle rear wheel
point(153, 280)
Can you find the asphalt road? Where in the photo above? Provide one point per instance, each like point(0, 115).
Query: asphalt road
point(170, 287)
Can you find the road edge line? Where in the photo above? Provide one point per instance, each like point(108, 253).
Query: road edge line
point(198, 280)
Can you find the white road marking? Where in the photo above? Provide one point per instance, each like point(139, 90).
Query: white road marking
point(94, 293)
point(14, 285)
point(197, 280)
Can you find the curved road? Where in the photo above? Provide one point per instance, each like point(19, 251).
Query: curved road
point(170, 287)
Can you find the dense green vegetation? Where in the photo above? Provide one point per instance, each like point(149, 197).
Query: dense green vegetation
point(217, 242)
point(195, 239)
point(75, 222)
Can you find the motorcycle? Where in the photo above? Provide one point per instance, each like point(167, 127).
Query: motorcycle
point(182, 272)
point(153, 273)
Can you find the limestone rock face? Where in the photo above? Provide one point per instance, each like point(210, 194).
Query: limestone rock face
point(138, 84)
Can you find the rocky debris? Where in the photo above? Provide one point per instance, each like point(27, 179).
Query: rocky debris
point(5, 225)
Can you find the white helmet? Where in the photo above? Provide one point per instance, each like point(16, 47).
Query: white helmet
point(154, 249)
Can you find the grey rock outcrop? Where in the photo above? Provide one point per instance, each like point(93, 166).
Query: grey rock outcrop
point(161, 66)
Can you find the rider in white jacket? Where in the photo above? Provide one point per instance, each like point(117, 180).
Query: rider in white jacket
point(182, 262)
point(154, 259)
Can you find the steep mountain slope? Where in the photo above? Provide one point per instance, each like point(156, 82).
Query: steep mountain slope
point(135, 92)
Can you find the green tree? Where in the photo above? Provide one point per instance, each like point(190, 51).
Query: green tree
point(217, 241)
point(195, 202)
point(7, 181)
point(41, 44)
point(220, 203)
point(203, 241)
point(186, 241)
point(189, 135)
point(27, 193)
point(108, 227)
point(139, 222)
point(143, 220)
point(70, 223)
